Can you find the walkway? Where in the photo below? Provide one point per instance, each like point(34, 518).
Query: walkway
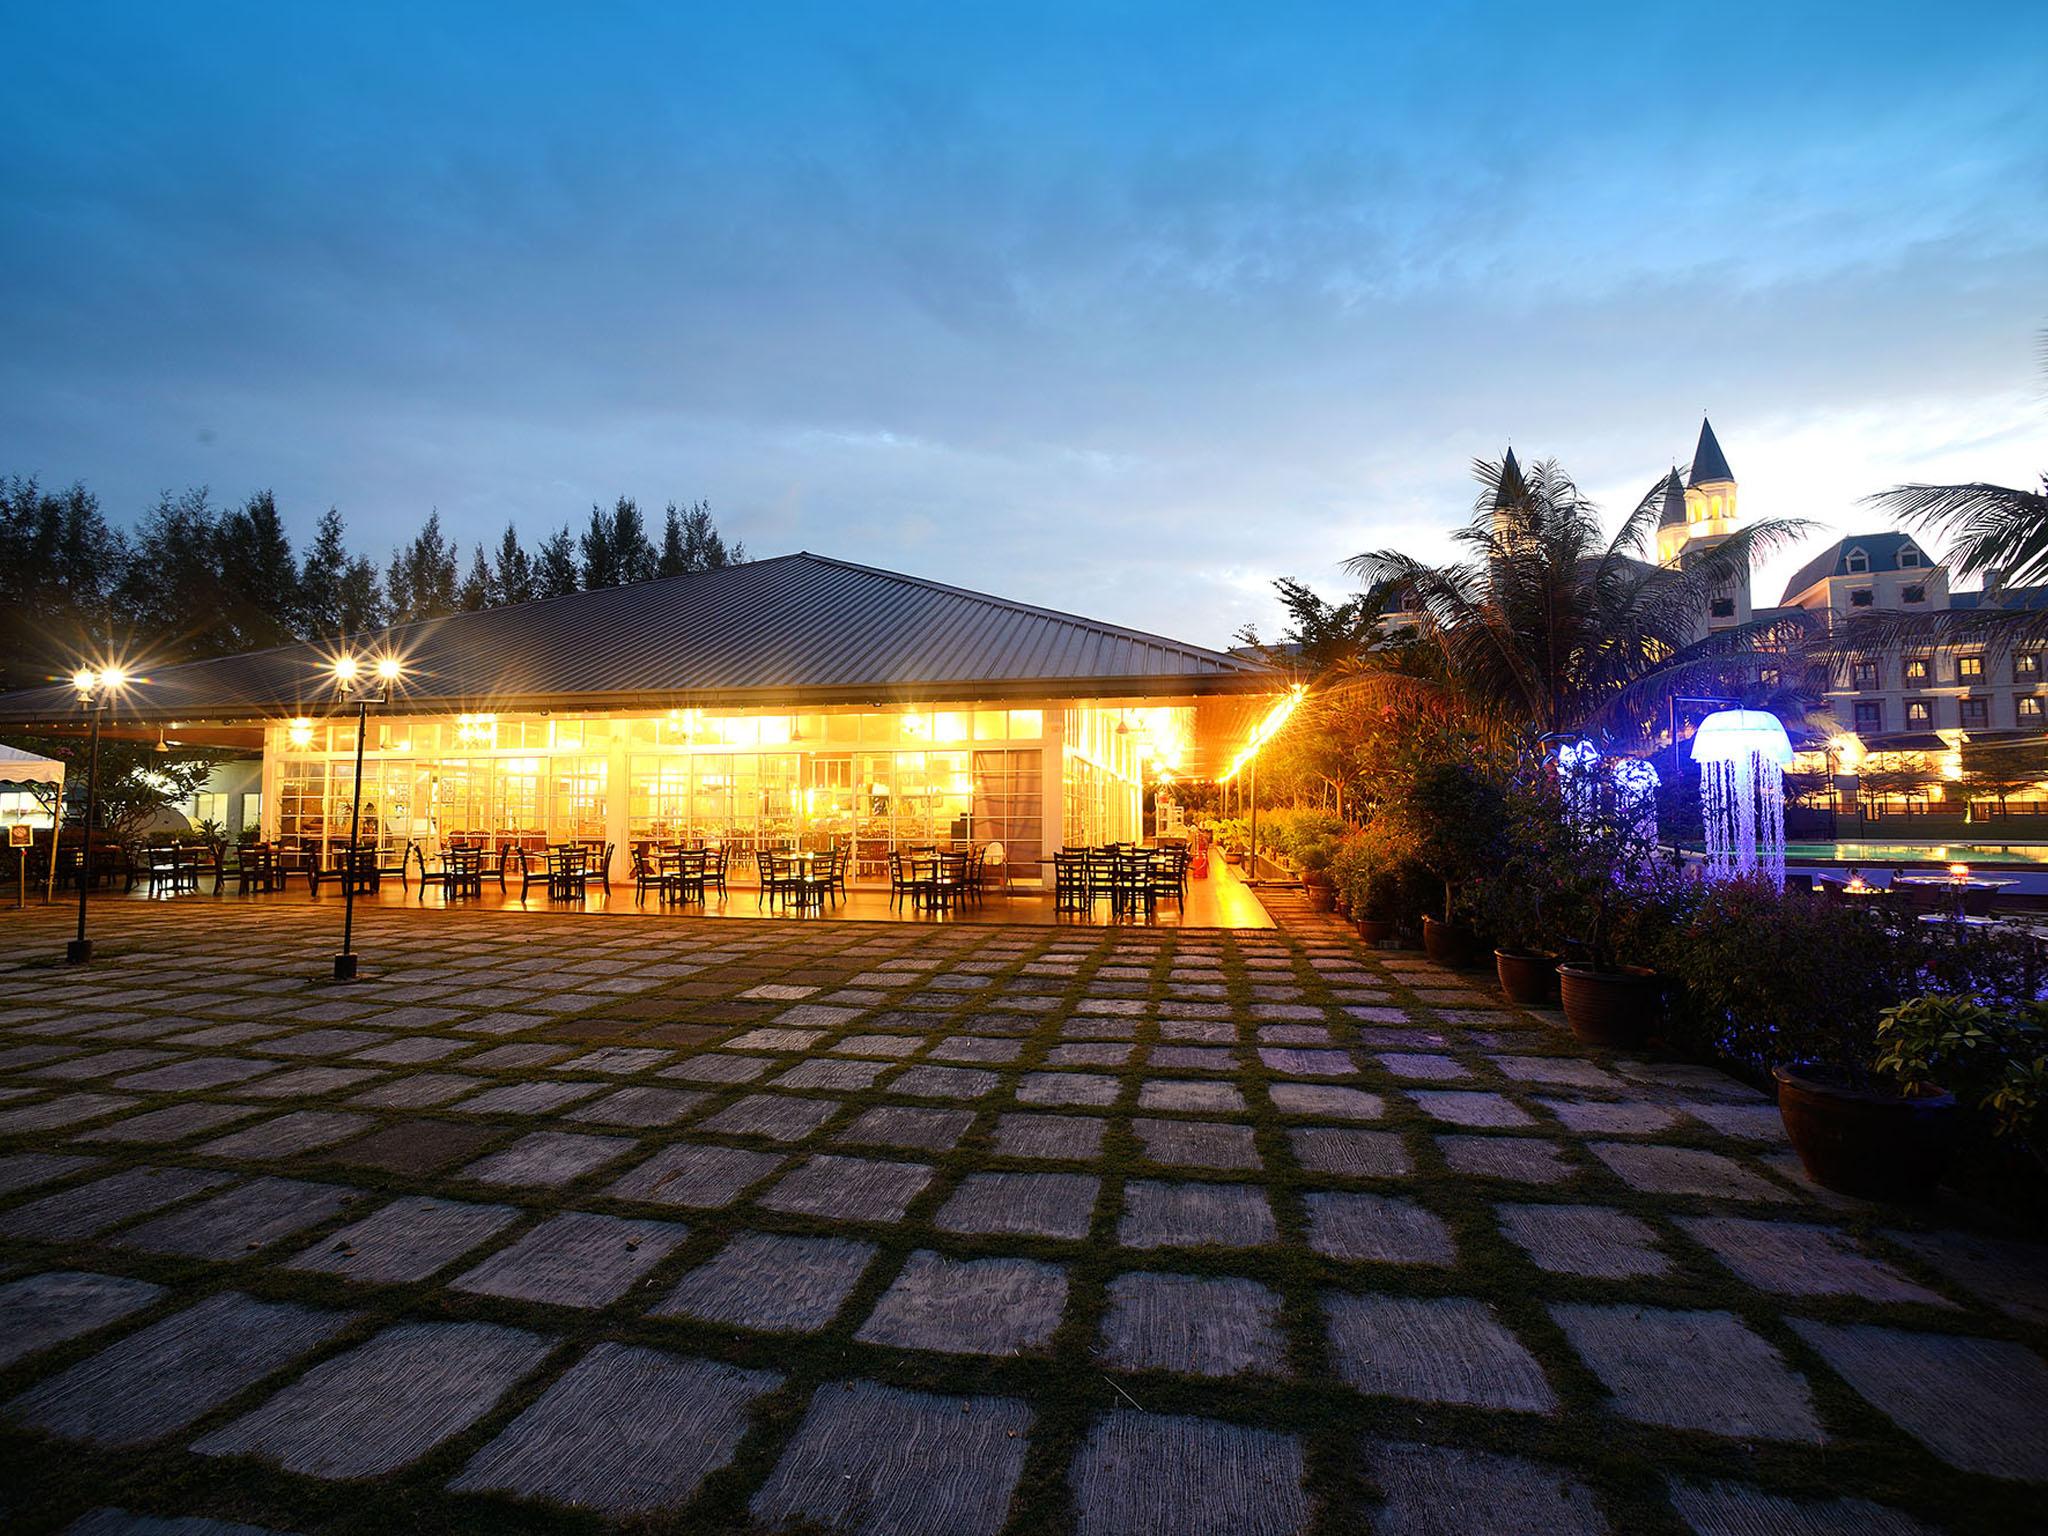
point(890, 1230)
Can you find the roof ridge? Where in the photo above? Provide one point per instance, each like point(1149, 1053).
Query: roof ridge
point(1100, 626)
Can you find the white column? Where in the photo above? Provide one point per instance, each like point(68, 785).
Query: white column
point(1053, 805)
point(618, 799)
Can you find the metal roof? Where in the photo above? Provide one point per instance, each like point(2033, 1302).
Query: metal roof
point(798, 628)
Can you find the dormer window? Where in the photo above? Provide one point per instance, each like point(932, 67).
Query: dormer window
point(1909, 557)
point(1857, 562)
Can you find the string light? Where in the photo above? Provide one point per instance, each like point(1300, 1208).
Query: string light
point(1268, 728)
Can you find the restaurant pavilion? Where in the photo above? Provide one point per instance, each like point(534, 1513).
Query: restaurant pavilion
point(788, 702)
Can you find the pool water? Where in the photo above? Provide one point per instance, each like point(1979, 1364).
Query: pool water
point(1917, 853)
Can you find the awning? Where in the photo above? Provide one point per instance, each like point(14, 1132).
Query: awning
point(1910, 741)
point(42, 777)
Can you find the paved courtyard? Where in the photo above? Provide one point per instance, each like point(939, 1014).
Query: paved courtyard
point(554, 1224)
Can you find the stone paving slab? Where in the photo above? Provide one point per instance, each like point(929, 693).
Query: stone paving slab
point(1588, 1240)
point(969, 1306)
point(163, 1377)
point(1060, 1138)
point(47, 1309)
point(1691, 1370)
point(872, 1460)
point(848, 1189)
point(88, 1209)
point(1378, 1228)
point(1685, 1171)
point(25, 1170)
point(2011, 1276)
point(1021, 1204)
point(416, 1146)
point(1326, 1101)
point(575, 1259)
point(1173, 1215)
point(407, 1240)
point(288, 1135)
point(625, 1431)
point(1518, 1159)
point(1978, 1404)
point(909, 1125)
point(703, 1177)
point(771, 1117)
point(548, 1159)
point(1471, 1108)
point(1351, 1154)
point(1451, 1350)
point(1437, 1490)
point(771, 1283)
point(1170, 1475)
point(1792, 1259)
point(1730, 1509)
point(386, 1403)
point(1198, 1144)
point(240, 1221)
point(1192, 1325)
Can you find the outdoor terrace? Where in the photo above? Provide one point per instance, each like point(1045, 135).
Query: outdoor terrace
point(546, 1224)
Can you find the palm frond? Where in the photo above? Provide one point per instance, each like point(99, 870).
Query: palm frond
point(1989, 527)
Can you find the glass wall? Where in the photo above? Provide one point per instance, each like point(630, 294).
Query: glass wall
point(872, 780)
point(1103, 756)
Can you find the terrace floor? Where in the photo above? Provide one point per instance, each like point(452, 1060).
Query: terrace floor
point(1221, 899)
point(550, 1225)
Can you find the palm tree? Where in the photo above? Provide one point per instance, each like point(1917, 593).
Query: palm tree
point(1559, 628)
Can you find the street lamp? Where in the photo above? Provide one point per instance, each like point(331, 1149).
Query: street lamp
point(345, 671)
point(94, 688)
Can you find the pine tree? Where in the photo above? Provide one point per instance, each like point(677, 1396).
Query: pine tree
point(320, 577)
point(703, 549)
point(672, 561)
point(259, 578)
point(513, 573)
point(60, 564)
point(359, 604)
point(554, 568)
point(173, 595)
point(632, 549)
point(600, 551)
point(423, 583)
point(479, 589)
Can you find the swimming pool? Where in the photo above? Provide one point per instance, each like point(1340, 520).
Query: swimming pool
point(1916, 853)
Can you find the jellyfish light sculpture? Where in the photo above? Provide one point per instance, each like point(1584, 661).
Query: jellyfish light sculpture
point(1743, 755)
point(1596, 785)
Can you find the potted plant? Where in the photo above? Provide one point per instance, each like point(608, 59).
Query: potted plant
point(1457, 817)
point(1606, 869)
point(1887, 1133)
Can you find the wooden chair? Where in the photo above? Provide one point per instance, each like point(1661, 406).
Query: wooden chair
point(1070, 886)
point(568, 872)
point(716, 861)
point(463, 874)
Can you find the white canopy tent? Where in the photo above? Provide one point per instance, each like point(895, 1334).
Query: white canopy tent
point(43, 777)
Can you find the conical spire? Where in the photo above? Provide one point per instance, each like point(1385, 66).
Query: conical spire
point(1673, 513)
point(1709, 463)
point(1512, 485)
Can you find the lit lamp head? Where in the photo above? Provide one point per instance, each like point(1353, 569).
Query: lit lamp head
point(388, 669)
point(1959, 871)
point(94, 684)
point(344, 670)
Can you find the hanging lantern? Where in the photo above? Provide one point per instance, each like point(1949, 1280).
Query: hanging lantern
point(1743, 755)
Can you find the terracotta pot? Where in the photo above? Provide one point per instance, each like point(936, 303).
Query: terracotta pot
point(1375, 930)
point(1448, 944)
point(1874, 1145)
point(1610, 1007)
point(1322, 896)
point(1526, 978)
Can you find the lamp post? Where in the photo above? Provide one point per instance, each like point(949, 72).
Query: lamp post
point(93, 690)
point(388, 673)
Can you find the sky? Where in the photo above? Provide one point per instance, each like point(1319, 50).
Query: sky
point(1120, 309)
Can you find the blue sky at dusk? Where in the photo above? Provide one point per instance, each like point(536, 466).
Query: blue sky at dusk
point(1114, 308)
